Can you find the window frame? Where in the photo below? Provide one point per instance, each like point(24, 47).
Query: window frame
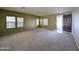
point(44, 22)
point(10, 22)
point(19, 22)
point(37, 22)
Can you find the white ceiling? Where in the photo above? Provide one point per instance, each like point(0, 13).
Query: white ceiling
point(40, 11)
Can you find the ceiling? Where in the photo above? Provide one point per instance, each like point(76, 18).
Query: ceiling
point(39, 11)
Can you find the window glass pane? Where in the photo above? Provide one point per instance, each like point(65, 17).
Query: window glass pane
point(10, 19)
point(20, 19)
point(20, 22)
point(37, 22)
point(59, 22)
point(45, 21)
point(10, 25)
point(10, 22)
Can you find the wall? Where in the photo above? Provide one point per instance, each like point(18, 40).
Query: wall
point(75, 25)
point(51, 22)
point(0, 23)
point(29, 22)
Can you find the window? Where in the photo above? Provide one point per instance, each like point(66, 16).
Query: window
point(20, 22)
point(45, 21)
point(60, 22)
point(10, 22)
point(37, 22)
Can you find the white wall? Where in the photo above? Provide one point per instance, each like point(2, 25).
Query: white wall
point(75, 25)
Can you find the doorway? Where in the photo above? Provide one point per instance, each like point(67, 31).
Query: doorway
point(67, 23)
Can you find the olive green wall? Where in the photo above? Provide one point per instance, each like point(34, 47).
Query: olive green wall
point(0, 23)
point(29, 22)
point(51, 22)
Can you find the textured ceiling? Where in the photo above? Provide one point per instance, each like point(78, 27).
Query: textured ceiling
point(40, 11)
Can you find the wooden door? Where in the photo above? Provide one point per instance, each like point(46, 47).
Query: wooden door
point(67, 23)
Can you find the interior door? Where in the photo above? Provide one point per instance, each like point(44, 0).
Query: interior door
point(67, 23)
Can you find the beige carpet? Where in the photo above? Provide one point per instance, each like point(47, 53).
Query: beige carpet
point(38, 40)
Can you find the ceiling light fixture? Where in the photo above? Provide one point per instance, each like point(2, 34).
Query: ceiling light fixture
point(23, 8)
